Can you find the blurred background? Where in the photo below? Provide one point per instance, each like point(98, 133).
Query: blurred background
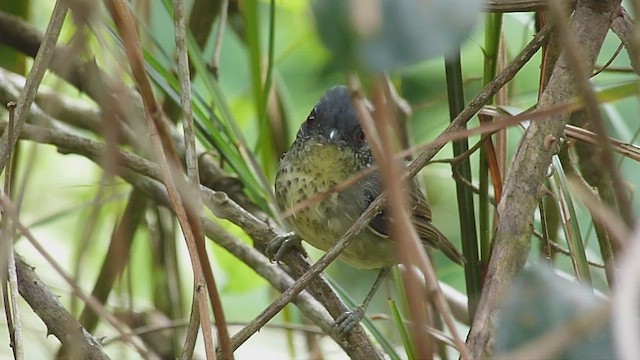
point(71, 206)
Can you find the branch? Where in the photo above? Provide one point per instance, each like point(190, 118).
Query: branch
point(57, 319)
point(40, 64)
point(511, 243)
point(145, 176)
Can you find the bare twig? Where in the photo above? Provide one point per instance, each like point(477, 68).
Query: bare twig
point(411, 252)
point(168, 159)
point(511, 241)
point(34, 78)
point(58, 321)
point(10, 211)
point(582, 71)
point(8, 264)
point(200, 300)
point(630, 151)
point(217, 201)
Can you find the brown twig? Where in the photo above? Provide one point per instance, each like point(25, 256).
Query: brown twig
point(582, 72)
point(168, 160)
point(411, 252)
point(58, 321)
point(511, 240)
point(40, 64)
point(90, 79)
point(200, 300)
point(133, 166)
point(10, 211)
point(8, 261)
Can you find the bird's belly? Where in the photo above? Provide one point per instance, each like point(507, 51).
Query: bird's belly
point(322, 223)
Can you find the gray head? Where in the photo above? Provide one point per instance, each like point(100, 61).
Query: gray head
point(334, 120)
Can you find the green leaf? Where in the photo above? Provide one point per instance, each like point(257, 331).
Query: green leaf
point(388, 34)
point(540, 301)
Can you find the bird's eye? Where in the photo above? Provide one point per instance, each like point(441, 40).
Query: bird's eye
point(311, 119)
point(361, 137)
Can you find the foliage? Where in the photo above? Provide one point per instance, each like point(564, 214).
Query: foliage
point(88, 201)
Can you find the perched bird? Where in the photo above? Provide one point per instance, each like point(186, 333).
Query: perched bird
point(331, 147)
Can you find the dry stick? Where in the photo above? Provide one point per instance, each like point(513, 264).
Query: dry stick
point(200, 299)
point(384, 128)
point(34, 78)
point(84, 77)
point(629, 151)
point(218, 202)
point(168, 159)
point(622, 25)
point(142, 165)
point(59, 322)
point(411, 252)
point(12, 307)
point(95, 305)
point(421, 160)
point(512, 238)
point(582, 76)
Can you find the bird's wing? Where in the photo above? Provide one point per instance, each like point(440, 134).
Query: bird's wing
point(429, 234)
point(420, 218)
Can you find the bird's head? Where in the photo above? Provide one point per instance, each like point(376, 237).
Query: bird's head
point(333, 123)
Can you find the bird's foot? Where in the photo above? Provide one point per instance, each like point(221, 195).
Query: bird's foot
point(280, 244)
point(347, 321)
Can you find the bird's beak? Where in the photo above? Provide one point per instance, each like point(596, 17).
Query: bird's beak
point(334, 135)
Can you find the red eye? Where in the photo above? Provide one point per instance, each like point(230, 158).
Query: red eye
point(361, 137)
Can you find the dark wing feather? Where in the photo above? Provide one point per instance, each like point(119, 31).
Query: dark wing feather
point(421, 219)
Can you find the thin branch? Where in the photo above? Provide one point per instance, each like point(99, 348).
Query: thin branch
point(10, 211)
point(143, 175)
point(168, 159)
point(11, 294)
point(40, 64)
point(582, 72)
point(522, 186)
point(200, 300)
point(58, 321)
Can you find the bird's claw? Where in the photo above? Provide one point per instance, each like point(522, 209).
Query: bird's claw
point(281, 244)
point(347, 321)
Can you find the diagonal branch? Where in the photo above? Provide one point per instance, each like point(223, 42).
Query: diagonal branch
point(591, 22)
point(58, 320)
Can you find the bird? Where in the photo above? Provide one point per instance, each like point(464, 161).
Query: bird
point(331, 147)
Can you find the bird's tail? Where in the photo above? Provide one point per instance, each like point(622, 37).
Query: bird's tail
point(434, 238)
